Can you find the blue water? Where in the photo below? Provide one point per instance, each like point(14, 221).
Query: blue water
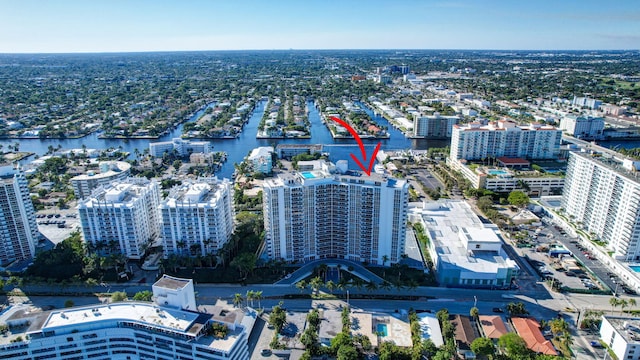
point(635, 268)
point(307, 175)
point(497, 172)
point(382, 329)
point(238, 148)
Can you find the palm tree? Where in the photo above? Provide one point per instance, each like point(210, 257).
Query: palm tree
point(474, 313)
point(614, 303)
point(181, 246)
point(237, 300)
point(315, 284)
point(385, 258)
point(330, 286)
point(301, 285)
point(250, 296)
point(386, 285)
point(258, 296)
point(623, 304)
point(322, 271)
point(371, 286)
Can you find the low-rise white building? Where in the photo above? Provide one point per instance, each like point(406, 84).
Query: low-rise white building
point(465, 251)
point(507, 180)
point(261, 159)
point(622, 336)
point(110, 171)
point(182, 147)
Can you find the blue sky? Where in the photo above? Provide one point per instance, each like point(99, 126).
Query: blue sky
point(158, 25)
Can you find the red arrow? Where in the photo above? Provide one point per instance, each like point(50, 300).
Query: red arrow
point(367, 170)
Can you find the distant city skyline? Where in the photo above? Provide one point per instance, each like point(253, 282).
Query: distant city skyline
point(33, 26)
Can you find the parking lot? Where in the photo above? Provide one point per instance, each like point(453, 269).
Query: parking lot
point(57, 224)
point(594, 275)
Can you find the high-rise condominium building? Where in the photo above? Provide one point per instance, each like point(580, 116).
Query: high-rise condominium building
point(122, 218)
point(603, 195)
point(434, 126)
point(197, 217)
point(171, 327)
point(583, 127)
point(18, 230)
point(317, 215)
point(504, 138)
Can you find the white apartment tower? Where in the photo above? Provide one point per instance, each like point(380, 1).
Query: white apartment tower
point(604, 198)
point(317, 215)
point(122, 218)
point(583, 127)
point(435, 126)
point(18, 230)
point(504, 138)
point(197, 217)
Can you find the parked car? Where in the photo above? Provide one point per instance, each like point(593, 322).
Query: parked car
point(497, 310)
point(596, 344)
point(265, 352)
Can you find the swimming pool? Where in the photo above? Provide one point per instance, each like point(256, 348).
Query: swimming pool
point(382, 329)
point(635, 268)
point(307, 175)
point(497, 172)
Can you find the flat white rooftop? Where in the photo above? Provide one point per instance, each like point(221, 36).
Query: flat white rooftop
point(430, 328)
point(172, 319)
point(447, 223)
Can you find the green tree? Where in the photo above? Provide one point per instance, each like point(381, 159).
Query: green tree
point(315, 284)
point(348, 352)
point(301, 285)
point(237, 299)
point(558, 326)
point(118, 296)
point(341, 339)
point(144, 295)
point(518, 198)
point(257, 295)
point(177, 164)
point(516, 309)
point(69, 303)
point(483, 347)
point(474, 312)
point(278, 317)
point(330, 286)
point(513, 345)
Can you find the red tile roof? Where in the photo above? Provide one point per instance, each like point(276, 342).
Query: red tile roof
point(493, 326)
point(529, 331)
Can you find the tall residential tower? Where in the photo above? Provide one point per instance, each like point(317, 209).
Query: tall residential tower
point(317, 215)
point(18, 230)
point(122, 218)
point(603, 195)
point(197, 217)
point(504, 138)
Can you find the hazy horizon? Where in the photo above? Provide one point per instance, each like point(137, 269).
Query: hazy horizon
point(121, 26)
